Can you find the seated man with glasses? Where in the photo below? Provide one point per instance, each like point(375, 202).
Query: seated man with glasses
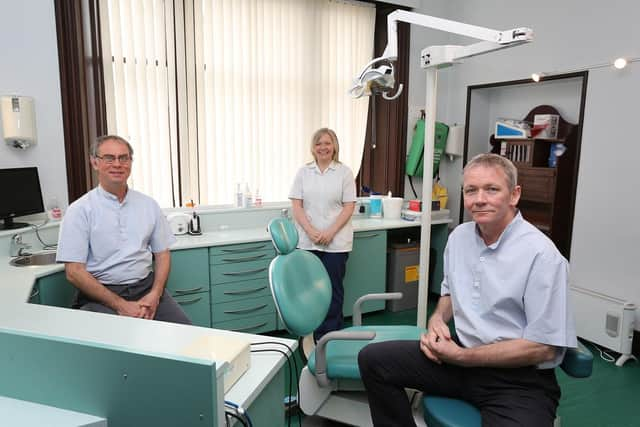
point(108, 240)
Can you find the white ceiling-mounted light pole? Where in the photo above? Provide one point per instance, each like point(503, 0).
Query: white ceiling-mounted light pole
point(431, 59)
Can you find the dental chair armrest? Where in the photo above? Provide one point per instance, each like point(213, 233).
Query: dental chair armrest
point(357, 310)
point(321, 350)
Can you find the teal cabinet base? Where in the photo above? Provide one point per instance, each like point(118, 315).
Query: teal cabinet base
point(54, 290)
point(262, 411)
point(366, 270)
point(126, 388)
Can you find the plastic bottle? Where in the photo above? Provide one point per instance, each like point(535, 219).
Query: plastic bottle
point(257, 200)
point(239, 195)
point(247, 200)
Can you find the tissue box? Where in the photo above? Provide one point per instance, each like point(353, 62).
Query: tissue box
point(545, 126)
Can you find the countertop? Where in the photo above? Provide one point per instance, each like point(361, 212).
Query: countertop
point(141, 335)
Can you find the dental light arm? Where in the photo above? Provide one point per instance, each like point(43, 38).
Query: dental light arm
point(491, 39)
point(432, 58)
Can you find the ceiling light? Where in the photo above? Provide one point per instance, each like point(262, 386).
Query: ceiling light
point(620, 63)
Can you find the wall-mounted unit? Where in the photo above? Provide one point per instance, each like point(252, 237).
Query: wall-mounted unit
point(18, 120)
point(604, 320)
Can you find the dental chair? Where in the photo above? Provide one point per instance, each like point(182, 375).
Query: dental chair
point(330, 385)
point(448, 412)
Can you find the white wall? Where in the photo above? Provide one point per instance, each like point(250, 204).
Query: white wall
point(573, 34)
point(29, 66)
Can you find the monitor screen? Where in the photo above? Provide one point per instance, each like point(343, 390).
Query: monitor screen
point(20, 195)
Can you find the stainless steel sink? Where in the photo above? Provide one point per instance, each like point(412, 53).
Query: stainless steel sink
point(40, 258)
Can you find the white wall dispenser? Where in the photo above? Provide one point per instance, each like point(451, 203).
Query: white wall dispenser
point(18, 121)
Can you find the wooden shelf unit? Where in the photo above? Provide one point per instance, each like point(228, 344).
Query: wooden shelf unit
point(546, 199)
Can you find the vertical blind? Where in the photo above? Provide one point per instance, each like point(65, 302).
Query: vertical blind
point(242, 88)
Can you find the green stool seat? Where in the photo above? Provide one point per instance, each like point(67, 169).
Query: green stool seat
point(342, 356)
point(446, 412)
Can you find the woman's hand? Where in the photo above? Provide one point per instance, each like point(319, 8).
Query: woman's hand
point(325, 237)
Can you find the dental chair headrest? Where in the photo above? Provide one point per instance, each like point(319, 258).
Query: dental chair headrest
point(284, 235)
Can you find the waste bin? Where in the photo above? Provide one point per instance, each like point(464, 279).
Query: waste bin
point(403, 264)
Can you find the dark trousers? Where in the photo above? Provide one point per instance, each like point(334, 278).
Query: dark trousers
point(505, 396)
point(336, 265)
point(168, 309)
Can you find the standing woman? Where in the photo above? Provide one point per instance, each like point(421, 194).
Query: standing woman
point(323, 196)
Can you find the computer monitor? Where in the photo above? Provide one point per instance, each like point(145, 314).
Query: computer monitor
point(20, 194)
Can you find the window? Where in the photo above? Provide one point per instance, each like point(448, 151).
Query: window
point(215, 92)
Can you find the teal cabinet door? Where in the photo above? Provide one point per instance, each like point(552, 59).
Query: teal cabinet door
point(188, 284)
point(366, 270)
point(55, 290)
point(189, 271)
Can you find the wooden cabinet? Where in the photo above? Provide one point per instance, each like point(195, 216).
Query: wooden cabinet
point(239, 276)
point(188, 284)
point(366, 270)
point(548, 193)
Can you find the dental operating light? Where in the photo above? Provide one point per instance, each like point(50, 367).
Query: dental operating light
point(432, 58)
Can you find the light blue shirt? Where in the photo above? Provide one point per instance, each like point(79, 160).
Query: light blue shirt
point(514, 288)
point(115, 240)
point(323, 195)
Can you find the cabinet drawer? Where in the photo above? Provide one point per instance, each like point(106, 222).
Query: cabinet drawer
point(241, 248)
point(240, 271)
point(240, 290)
point(189, 271)
point(197, 308)
point(234, 258)
point(248, 307)
point(538, 184)
point(250, 325)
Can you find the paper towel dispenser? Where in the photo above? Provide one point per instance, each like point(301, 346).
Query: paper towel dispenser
point(18, 121)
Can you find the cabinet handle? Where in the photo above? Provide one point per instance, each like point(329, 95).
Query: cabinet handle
point(187, 291)
point(191, 301)
point(248, 328)
point(35, 293)
point(247, 291)
point(253, 248)
point(366, 236)
point(245, 310)
point(248, 258)
point(239, 273)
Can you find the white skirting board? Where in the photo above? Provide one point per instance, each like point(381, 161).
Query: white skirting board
point(604, 320)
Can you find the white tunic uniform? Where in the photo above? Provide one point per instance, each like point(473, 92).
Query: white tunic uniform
point(323, 195)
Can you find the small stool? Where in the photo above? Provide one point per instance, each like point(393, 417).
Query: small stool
point(448, 412)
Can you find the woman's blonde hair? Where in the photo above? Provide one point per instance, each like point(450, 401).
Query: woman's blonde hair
point(334, 139)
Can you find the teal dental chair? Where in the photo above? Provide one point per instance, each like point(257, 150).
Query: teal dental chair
point(330, 385)
point(448, 412)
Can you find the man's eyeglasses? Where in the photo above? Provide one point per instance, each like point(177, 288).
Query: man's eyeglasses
point(109, 159)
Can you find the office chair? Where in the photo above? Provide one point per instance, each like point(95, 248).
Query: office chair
point(330, 385)
point(448, 412)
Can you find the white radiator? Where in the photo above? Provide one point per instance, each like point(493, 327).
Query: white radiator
point(604, 320)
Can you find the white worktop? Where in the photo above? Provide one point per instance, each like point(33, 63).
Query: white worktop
point(140, 335)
